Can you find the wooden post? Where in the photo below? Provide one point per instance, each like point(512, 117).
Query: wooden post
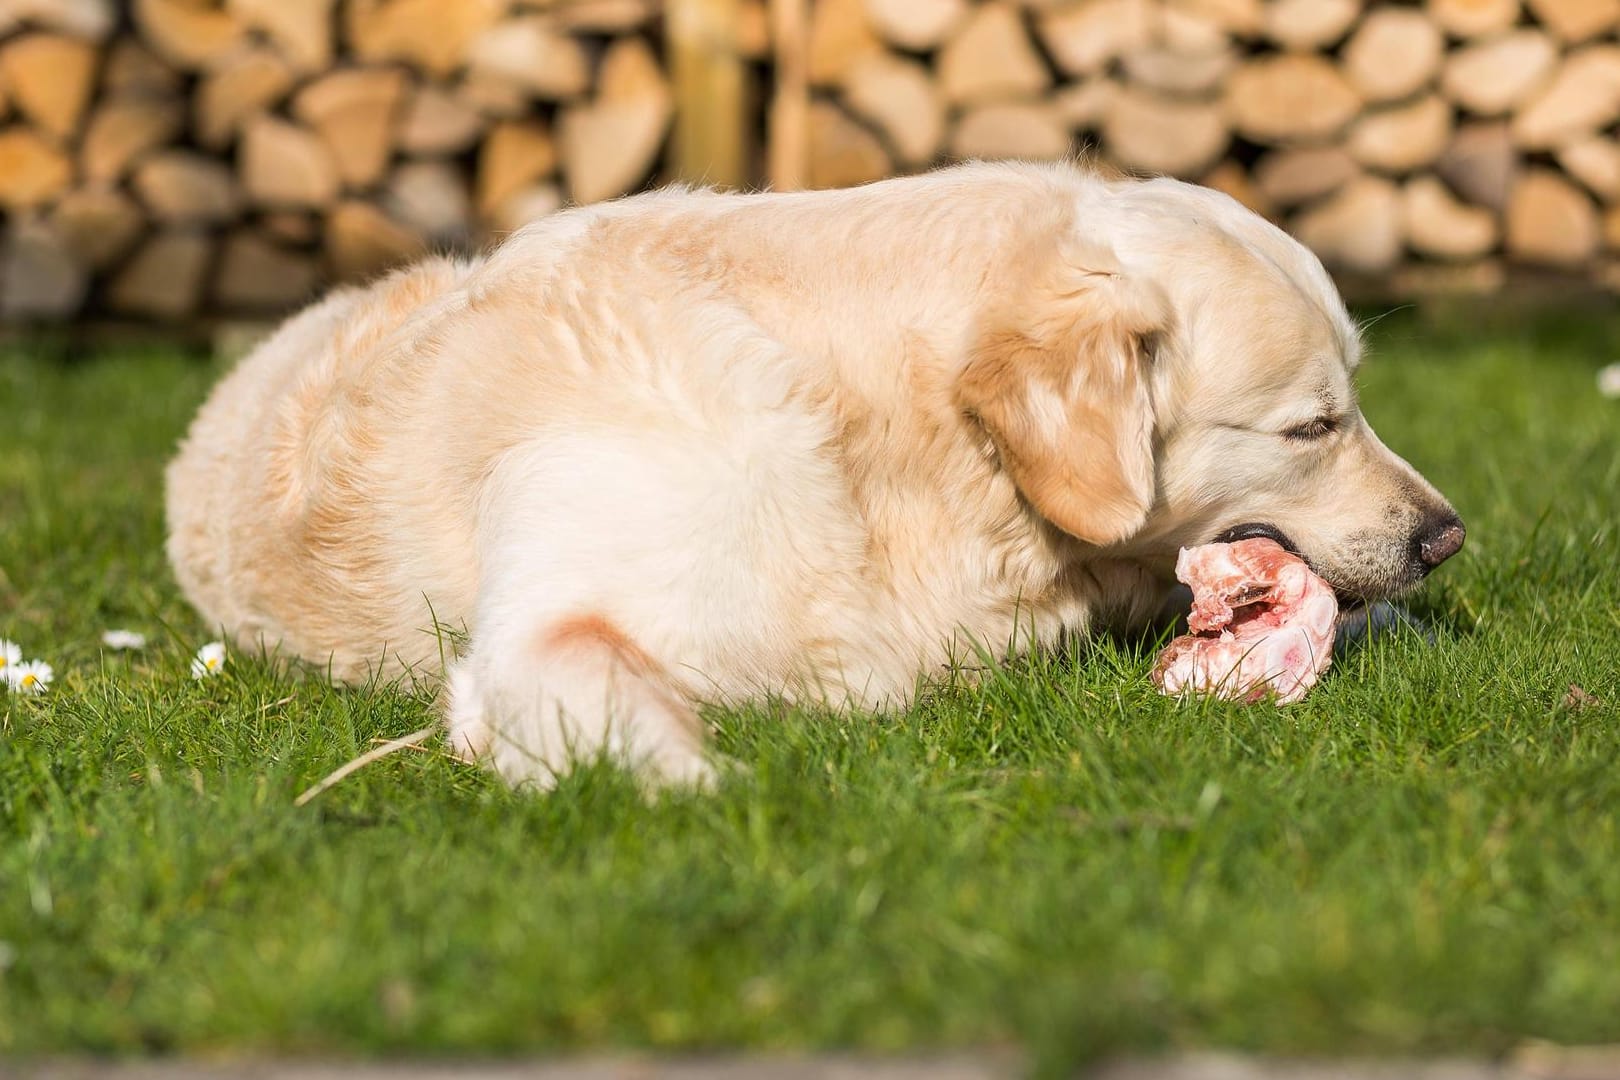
point(788, 127)
point(711, 116)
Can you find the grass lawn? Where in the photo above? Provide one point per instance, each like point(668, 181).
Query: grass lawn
point(1424, 856)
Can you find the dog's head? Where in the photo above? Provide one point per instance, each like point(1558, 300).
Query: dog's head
point(1179, 371)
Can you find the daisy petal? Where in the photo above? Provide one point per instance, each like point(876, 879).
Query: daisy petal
point(123, 639)
point(209, 661)
point(33, 677)
point(10, 657)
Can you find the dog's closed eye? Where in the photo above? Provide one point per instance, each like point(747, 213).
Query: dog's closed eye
point(1319, 428)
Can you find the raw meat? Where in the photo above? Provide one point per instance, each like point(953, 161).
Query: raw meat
point(1262, 625)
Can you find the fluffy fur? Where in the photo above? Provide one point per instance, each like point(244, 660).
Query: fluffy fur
point(691, 447)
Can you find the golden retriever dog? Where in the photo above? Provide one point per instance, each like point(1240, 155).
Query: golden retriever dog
point(692, 448)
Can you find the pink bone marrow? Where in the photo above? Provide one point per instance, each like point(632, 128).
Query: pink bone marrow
point(1262, 625)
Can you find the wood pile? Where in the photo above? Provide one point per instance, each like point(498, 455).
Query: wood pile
point(1387, 135)
point(173, 158)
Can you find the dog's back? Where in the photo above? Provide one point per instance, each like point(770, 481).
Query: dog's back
point(265, 482)
point(326, 499)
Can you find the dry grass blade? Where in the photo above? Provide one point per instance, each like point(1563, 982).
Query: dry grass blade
point(375, 754)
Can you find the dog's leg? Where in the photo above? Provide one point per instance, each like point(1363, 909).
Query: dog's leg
point(574, 689)
point(586, 610)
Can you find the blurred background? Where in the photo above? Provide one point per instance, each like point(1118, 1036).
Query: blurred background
point(180, 161)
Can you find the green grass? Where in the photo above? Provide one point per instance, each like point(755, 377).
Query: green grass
point(1424, 856)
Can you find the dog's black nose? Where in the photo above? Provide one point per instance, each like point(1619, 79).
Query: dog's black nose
point(1439, 539)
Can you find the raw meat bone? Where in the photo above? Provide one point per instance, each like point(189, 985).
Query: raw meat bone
point(1262, 625)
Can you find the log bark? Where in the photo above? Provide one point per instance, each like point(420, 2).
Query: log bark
point(1182, 29)
point(300, 29)
point(49, 78)
point(1473, 18)
point(1083, 105)
point(434, 35)
point(494, 95)
point(787, 161)
point(256, 274)
point(1358, 229)
point(710, 144)
point(297, 228)
point(1162, 135)
point(39, 276)
point(839, 36)
point(897, 97)
point(611, 144)
point(1402, 138)
point(1595, 162)
point(1171, 71)
point(516, 154)
point(1031, 131)
point(1393, 54)
point(89, 20)
point(1290, 97)
point(915, 25)
point(753, 30)
point(612, 17)
point(1084, 38)
point(1243, 18)
point(164, 278)
point(189, 36)
point(362, 241)
point(1495, 76)
point(1304, 25)
point(32, 171)
point(1437, 224)
point(1481, 164)
point(1576, 20)
point(521, 207)
point(1289, 177)
point(430, 197)
point(1481, 277)
point(534, 53)
point(991, 59)
point(435, 121)
point(286, 166)
point(1234, 180)
point(98, 224)
point(132, 70)
point(251, 83)
point(180, 187)
point(1582, 98)
point(354, 112)
point(842, 152)
point(1550, 221)
point(121, 132)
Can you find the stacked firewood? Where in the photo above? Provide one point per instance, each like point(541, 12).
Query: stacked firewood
point(1422, 143)
point(161, 158)
point(172, 158)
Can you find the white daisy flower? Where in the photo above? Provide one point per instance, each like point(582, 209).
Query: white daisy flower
point(209, 661)
point(1609, 381)
point(10, 657)
point(123, 639)
point(30, 678)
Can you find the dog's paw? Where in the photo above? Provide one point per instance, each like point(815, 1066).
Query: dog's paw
point(467, 733)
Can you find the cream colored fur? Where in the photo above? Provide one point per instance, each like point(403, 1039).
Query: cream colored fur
point(692, 447)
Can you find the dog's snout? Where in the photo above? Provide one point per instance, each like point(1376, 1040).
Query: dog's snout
point(1439, 539)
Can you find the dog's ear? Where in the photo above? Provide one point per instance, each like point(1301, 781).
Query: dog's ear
point(1060, 383)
